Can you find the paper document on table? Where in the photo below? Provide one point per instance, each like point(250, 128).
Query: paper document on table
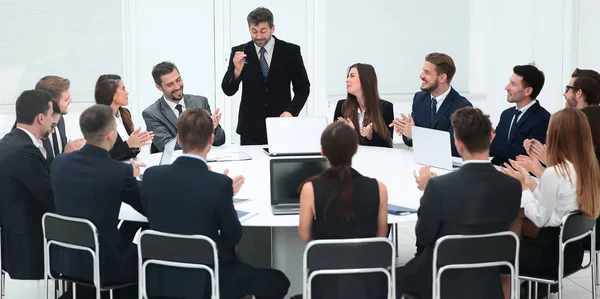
point(243, 215)
point(229, 156)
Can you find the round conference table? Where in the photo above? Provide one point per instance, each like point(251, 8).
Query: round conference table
point(393, 167)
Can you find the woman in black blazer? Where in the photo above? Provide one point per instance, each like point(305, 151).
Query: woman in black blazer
point(110, 91)
point(364, 110)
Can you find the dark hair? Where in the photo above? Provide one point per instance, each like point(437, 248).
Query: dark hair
point(30, 104)
point(54, 85)
point(368, 82)
point(55, 108)
point(532, 77)
point(259, 15)
point(443, 64)
point(162, 69)
point(106, 88)
point(194, 127)
point(589, 83)
point(338, 143)
point(95, 122)
point(472, 128)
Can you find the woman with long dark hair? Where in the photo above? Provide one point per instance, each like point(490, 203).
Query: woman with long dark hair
point(340, 203)
point(110, 91)
point(363, 110)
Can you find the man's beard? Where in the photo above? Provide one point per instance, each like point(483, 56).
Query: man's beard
point(431, 87)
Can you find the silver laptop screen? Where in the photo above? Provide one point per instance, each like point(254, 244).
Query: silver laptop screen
point(288, 174)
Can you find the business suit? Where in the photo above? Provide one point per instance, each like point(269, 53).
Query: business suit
point(161, 120)
point(266, 98)
point(475, 199)
point(186, 198)
point(387, 111)
point(532, 125)
point(90, 184)
point(421, 114)
point(47, 142)
point(121, 150)
point(26, 196)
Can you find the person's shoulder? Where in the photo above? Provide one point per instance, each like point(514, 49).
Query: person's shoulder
point(460, 99)
point(197, 98)
point(287, 45)
point(421, 94)
point(541, 110)
point(385, 103)
point(153, 107)
point(340, 102)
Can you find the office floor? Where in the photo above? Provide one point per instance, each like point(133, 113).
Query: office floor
point(576, 286)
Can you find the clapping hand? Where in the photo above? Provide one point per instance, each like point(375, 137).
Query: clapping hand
point(139, 138)
point(216, 118)
point(536, 149)
point(403, 125)
point(518, 172)
point(347, 120)
point(136, 167)
point(236, 183)
point(74, 145)
point(367, 131)
point(423, 177)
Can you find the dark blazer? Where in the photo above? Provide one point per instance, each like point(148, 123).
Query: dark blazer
point(199, 202)
point(26, 196)
point(533, 124)
point(475, 199)
point(161, 120)
point(90, 184)
point(421, 114)
point(121, 150)
point(47, 142)
point(270, 98)
point(387, 111)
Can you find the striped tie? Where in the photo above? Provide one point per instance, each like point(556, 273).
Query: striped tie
point(264, 66)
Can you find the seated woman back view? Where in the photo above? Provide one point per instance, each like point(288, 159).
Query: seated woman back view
point(340, 203)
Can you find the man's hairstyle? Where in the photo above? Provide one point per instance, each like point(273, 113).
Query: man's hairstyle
point(95, 122)
point(443, 64)
point(55, 108)
point(162, 69)
point(472, 128)
point(260, 15)
point(194, 127)
point(30, 104)
point(589, 83)
point(54, 85)
point(532, 77)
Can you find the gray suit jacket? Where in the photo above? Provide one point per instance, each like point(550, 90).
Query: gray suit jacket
point(161, 120)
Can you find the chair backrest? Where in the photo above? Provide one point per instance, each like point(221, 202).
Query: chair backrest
point(345, 256)
point(70, 231)
point(576, 226)
point(182, 251)
point(475, 251)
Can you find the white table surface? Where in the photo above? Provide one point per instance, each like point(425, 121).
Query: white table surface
point(393, 167)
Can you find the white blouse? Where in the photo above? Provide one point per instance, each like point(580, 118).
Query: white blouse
point(121, 127)
point(554, 198)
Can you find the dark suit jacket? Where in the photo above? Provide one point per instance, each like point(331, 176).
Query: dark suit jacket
point(262, 99)
point(421, 111)
point(26, 196)
point(533, 124)
point(47, 142)
point(387, 111)
point(186, 198)
point(161, 120)
point(90, 184)
point(475, 199)
point(121, 150)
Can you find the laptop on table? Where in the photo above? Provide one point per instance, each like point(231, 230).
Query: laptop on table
point(432, 147)
point(286, 176)
point(294, 136)
point(167, 154)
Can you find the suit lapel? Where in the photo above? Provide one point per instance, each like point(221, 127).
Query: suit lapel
point(521, 121)
point(446, 104)
point(167, 112)
point(63, 135)
point(187, 100)
point(274, 56)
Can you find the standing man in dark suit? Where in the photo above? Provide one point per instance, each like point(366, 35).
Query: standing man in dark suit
point(90, 184)
point(201, 204)
point(25, 184)
point(266, 66)
point(526, 120)
point(475, 199)
point(435, 103)
point(161, 117)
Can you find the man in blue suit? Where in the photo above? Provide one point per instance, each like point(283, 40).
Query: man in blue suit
point(90, 184)
point(187, 198)
point(527, 120)
point(435, 103)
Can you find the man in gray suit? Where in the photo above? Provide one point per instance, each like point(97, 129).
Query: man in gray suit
point(161, 117)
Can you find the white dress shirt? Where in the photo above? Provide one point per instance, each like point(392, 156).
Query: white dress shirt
point(35, 141)
point(268, 50)
point(194, 156)
point(361, 118)
point(554, 198)
point(58, 139)
point(121, 127)
point(441, 98)
point(523, 110)
point(465, 162)
point(173, 105)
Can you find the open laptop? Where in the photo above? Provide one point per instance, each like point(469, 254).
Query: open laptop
point(167, 154)
point(294, 136)
point(432, 147)
point(286, 176)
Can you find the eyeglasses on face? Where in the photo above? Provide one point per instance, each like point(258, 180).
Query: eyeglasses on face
point(569, 87)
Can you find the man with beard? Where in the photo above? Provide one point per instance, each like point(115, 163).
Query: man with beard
point(266, 66)
point(435, 103)
point(527, 120)
point(25, 184)
point(161, 117)
point(583, 89)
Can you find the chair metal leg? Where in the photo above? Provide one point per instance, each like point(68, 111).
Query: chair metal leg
point(111, 294)
point(594, 269)
point(74, 291)
point(529, 290)
point(3, 284)
point(46, 286)
point(536, 290)
point(56, 289)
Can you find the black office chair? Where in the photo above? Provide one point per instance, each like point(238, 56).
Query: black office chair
point(78, 234)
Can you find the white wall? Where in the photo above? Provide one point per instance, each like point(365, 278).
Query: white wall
point(588, 41)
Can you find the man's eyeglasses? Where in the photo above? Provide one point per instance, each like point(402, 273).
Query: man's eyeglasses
point(569, 87)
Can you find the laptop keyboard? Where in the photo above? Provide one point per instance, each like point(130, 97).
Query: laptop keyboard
point(288, 206)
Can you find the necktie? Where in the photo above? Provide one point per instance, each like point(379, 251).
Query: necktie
point(264, 66)
point(511, 132)
point(55, 144)
point(179, 108)
point(42, 149)
point(433, 111)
